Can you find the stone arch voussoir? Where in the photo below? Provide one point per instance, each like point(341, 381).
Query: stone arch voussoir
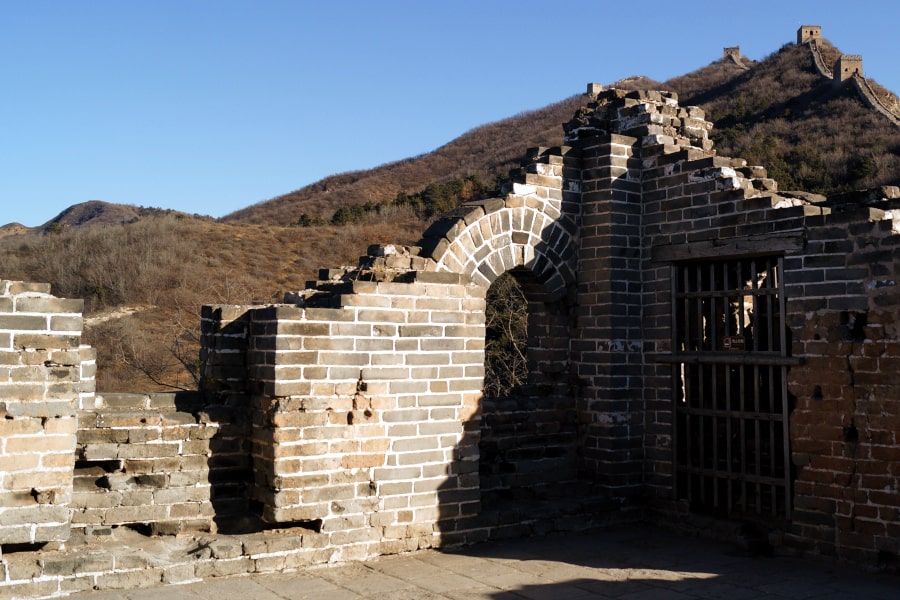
point(483, 240)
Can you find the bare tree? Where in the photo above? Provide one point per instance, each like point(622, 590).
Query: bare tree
point(506, 319)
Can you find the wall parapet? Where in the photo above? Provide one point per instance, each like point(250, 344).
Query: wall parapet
point(45, 374)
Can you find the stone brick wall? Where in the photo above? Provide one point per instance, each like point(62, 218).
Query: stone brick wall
point(361, 411)
point(607, 349)
point(44, 374)
point(155, 462)
point(639, 190)
point(696, 206)
point(844, 429)
point(528, 442)
point(840, 266)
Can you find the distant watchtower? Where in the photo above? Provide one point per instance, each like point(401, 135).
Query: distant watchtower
point(734, 51)
point(809, 32)
point(846, 67)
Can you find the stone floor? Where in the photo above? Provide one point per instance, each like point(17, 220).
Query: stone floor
point(633, 563)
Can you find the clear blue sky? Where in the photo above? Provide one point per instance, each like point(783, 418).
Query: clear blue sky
point(209, 106)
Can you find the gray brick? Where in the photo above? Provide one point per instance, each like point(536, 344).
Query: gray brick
point(39, 410)
point(22, 391)
point(66, 323)
point(23, 322)
point(24, 287)
point(46, 342)
point(49, 305)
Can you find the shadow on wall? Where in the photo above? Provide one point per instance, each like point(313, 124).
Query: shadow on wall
point(231, 468)
point(517, 467)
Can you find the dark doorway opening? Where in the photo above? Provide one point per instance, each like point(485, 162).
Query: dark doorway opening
point(731, 356)
point(528, 443)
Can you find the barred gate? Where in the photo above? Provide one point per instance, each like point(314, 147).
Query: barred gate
point(731, 356)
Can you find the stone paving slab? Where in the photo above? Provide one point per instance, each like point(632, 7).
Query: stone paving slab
point(635, 563)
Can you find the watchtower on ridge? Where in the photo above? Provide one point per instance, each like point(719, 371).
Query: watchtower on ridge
point(808, 32)
point(847, 66)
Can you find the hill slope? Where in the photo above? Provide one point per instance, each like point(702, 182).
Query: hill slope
point(780, 113)
point(486, 151)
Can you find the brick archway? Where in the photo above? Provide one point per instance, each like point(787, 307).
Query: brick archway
point(533, 227)
point(526, 437)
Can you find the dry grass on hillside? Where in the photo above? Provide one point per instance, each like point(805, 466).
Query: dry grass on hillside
point(783, 115)
point(487, 151)
point(170, 267)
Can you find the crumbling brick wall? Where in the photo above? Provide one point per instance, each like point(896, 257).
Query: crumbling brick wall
point(840, 272)
point(361, 411)
point(528, 438)
point(45, 373)
point(160, 463)
point(69, 458)
point(844, 428)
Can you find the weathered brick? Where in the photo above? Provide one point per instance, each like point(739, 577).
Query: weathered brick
point(45, 342)
point(30, 304)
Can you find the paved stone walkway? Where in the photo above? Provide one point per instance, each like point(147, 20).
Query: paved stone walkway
point(638, 563)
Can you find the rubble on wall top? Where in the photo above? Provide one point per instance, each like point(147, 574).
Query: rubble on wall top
point(653, 116)
point(808, 197)
point(382, 263)
point(888, 195)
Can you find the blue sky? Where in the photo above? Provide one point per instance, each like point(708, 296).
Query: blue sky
point(209, 106)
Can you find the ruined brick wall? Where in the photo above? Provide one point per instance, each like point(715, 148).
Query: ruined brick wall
point(840, 271)
point(159, 463)
point(639, 192)
point(844, 429)
point(353, 413)
point(528, 440)
point(615, 135)
point(362, 412)
point(45, 374)
point(72, 459)
point(698, 206)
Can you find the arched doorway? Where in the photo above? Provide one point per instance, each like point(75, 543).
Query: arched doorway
point(528, 442)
